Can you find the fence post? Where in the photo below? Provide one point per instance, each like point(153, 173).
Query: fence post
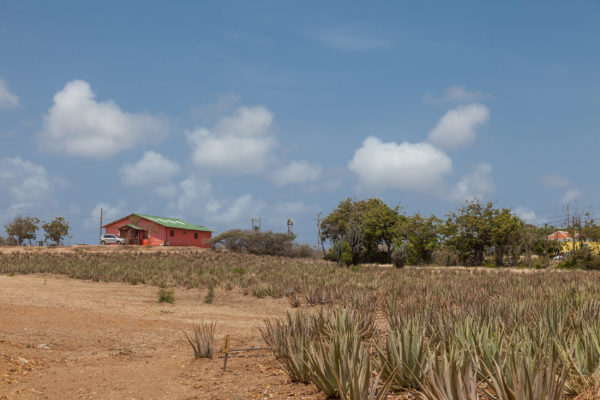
point(226, 351)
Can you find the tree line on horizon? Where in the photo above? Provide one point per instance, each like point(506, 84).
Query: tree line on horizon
point(477, 233)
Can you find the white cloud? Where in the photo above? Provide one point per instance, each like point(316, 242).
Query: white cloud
point(241, 143)
point(110, 212)
point(79, 125)
point(526, 214)
point(7, 99)
point(456, 94)
point(24, 180)
point(224, 104)
point(555, 181)
point(196, 200)
point(297, 172)
point(410, 166)
point(240, 211)
point(571, 196)
point(154, 170)
point(458, 126)
point(28, 187)
point(476, 184)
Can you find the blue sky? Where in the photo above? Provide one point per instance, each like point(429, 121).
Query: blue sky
point(219, 112)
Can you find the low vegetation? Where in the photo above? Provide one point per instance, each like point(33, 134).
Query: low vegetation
point(166, 295)
point(439, 333)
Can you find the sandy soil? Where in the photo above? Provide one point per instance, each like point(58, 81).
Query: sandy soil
point(68, 339)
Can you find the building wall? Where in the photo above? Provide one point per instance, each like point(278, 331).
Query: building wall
point(184, 237)
point(159, 235)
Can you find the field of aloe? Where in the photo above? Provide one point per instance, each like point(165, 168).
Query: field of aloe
point(369, 332)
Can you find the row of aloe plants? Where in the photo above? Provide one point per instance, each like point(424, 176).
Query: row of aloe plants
point(546, 353)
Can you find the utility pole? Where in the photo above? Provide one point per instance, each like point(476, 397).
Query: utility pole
point(100, 236)
point(319, 241)
point(256, 225)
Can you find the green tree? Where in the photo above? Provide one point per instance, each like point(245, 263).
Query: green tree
point(22, 228)
point(423, 236)
point(507, 230)
point(262, 243)
point(365, 225)
point(336, 224)
point(469, 230)
point(235, 240)
point(381, 225)
point(56, 230)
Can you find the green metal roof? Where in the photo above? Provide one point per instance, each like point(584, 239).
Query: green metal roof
point(135, 227)
point(174, 223)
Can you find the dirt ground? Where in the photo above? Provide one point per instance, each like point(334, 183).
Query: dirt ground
point(62, 338)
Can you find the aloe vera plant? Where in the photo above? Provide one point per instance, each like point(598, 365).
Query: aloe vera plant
point(527, 377)
point(341, 368)
point(583, 353)
point(404, 359)
point(289, 340)
point(202, 339)
point(485, 340)
point(450, 377)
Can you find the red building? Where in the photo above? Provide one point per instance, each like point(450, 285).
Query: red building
point(156, 231)
point(561, 236)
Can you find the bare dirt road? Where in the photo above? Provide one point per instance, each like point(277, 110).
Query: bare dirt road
point(68, 339)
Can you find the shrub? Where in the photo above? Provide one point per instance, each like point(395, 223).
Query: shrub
point(166, 295)
point(341, 252)
point(210, 296)
point(262, 243)
point(399, 255)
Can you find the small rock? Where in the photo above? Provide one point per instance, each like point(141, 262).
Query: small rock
point(43, 346)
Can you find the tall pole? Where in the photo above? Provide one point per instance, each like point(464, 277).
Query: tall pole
point(100, 236)
point(319, 241)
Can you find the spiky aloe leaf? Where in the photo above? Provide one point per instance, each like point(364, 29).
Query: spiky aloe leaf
point(450, 377)
point(528, 377)
point(404, 359)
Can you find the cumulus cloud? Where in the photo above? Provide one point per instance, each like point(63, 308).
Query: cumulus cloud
point(297, 172)
point(456, 94)
point(197, 200)
point(476, 184)
point(110, 212)
point(410, 166)
point(526, 214)
point(224, 104)
point(571, 196)
point(78, 124)
point(555, 181)
point(458, 126)
point(28, 186)
point(25, 181)
point(152, 170)
point(241, 143)
point(7, 99)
